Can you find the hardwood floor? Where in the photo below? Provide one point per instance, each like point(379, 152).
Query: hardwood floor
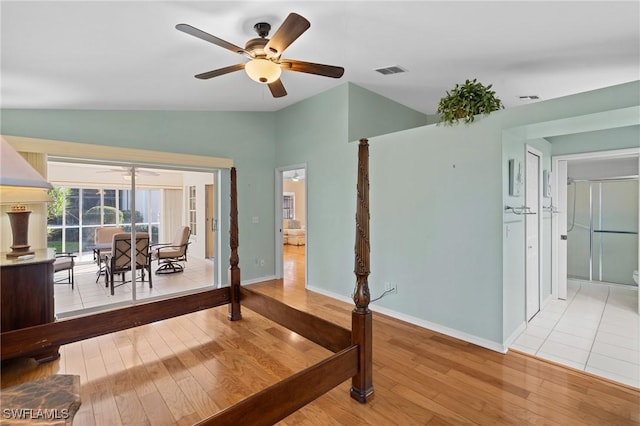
point(181, 370)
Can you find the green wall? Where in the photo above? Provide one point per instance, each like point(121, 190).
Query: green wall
point(601, 140)
point(437, 231)
point(371, 115)
point(317, 132)
point(247, 138)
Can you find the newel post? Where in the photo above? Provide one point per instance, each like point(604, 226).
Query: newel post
point(234, 270)
point(361, 316)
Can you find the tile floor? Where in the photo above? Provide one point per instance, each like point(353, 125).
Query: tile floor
point(597, 329)
point(88, 293)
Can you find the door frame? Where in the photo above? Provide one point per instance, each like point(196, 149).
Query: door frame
point(279, 256)
point(538, 218)
point(559, 286)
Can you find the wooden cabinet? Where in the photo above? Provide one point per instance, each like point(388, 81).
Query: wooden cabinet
point(26, 293)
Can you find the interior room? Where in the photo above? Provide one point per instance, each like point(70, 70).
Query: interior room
point(350, 256)
point(294, 226)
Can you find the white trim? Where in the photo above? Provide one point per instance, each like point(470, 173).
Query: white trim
point(546, 301)
point(258, 280)
point(539, 212)
point(512, 338)
point(112, 153)
point(625, 152)
point(469, 338)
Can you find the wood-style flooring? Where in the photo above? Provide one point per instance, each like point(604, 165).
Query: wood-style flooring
point(181, 370)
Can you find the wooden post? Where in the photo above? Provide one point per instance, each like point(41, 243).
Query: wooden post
point(234, 270)
point(361, 317)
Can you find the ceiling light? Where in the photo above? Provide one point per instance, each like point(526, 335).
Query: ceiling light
point(262, 71)
point(295, 177)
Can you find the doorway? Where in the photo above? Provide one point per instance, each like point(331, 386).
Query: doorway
point(291, 225)
point(597, 196)
point(532, 231)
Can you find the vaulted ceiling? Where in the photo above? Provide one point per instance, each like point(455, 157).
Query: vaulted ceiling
point(128, 55)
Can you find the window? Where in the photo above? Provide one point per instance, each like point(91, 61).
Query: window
point(288, 206)
point(72, 227)
point(192, 209)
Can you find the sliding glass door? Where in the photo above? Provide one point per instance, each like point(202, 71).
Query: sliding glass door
point(92, 198)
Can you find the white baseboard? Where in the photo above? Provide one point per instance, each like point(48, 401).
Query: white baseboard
point(258, 280)
point(470, 338)
point(546, 301)
point(518, 331)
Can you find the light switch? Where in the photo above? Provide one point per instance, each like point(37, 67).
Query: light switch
point(255, 219)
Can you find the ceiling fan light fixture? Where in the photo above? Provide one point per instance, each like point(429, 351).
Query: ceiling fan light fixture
point(262, 71)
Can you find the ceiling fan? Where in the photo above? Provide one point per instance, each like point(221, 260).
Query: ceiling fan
point(265, 63)
point(127, 171)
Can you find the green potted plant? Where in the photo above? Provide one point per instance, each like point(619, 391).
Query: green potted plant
point(465, 101)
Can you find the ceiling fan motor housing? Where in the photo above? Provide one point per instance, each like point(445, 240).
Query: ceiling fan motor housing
point(255, 46)
point(262, 28)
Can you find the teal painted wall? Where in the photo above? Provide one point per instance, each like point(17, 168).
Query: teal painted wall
point(371, 115)
point(437, 231)
point(247, 138)
point(315, 132)
point(602, 140)
point(436, 218)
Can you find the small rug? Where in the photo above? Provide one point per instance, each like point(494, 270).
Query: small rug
point(52, 400)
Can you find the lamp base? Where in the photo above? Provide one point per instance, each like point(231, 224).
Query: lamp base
point(19, 251)
point(19, 221)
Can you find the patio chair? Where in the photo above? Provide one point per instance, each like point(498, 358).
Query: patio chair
point(64, 262)
point(120, 260)
point(170, 255)
point(103, 236)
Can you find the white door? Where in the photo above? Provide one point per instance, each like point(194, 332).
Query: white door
point(563, 207)
point(532, 236)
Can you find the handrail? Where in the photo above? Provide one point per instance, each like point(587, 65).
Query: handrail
point(607, 231)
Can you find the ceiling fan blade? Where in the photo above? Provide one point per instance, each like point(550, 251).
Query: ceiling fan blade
point(311, 68)
point(292, 27)
point(277, 89)
point(220, 71)
point(186, 28)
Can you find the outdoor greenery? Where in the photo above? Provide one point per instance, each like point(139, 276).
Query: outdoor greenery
point(92, 216)
point(58, 195)
point(465, 101)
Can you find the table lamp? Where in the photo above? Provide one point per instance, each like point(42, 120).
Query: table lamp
point(20, 184)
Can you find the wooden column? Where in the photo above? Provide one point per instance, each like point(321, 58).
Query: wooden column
point(234, 270)
point(361, 317)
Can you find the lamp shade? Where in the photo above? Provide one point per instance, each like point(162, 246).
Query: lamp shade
point(19, 182)
point(263, 70)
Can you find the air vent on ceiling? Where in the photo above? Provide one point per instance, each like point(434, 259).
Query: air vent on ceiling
point(529, 97)
point(394, 69)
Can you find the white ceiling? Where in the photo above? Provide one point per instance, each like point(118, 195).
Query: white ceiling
point(128, 55)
